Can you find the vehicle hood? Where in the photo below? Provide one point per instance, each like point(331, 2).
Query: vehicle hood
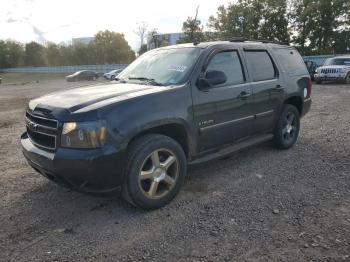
point(92, 97)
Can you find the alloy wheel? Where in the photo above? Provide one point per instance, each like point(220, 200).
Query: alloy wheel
point(290, 127)
point(159, 173)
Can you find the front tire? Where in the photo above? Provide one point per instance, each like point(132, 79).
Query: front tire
point(155, 171)
point(287, 129)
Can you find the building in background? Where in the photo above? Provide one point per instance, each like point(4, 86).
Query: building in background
point(163, 40)
point(82, 40)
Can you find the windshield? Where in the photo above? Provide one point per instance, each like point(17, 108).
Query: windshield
point(338, 61)
point(164, 66)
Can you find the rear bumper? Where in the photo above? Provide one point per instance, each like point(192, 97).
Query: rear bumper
point(306, 106)
point(88, 171)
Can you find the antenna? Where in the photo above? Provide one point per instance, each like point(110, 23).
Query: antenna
point(195, 42)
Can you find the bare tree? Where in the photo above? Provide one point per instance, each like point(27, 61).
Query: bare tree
point(141, 31)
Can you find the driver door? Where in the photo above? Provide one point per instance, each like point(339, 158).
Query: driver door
point(224, 113)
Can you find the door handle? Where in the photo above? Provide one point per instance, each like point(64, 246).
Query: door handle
point(244, 95)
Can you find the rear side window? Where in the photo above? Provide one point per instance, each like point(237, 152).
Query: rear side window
point(230, 63)
point(291, 61)
point(260, 65)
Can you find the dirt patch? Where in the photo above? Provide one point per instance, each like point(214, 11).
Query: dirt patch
point(6, 124)
point(261, 204)
point(13, 103)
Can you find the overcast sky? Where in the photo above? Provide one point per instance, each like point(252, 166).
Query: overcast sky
point(61, 20)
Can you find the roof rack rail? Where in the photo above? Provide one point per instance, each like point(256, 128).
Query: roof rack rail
point(243, 39)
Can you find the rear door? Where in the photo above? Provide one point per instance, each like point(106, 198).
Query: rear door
point(224, 113)
point(267, 87)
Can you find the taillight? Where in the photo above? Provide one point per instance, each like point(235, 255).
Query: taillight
point(309, 87)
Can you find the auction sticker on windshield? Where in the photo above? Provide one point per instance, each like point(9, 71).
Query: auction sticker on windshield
point(178, 68)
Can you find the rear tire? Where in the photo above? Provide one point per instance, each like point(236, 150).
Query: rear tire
point(287, 129)
point(155, 170)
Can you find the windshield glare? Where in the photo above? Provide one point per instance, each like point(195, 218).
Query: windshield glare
point(338, 61)
point(165, 66)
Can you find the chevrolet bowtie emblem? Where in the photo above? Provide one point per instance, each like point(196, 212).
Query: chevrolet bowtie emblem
point(32, 126)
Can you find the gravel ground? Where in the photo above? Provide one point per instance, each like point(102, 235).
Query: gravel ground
point(261, 204)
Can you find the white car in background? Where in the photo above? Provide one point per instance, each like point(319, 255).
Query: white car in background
point(112, 74)
point(334, 69)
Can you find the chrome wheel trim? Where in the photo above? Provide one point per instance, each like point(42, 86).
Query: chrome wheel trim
point(158, 173)
point(290, 127)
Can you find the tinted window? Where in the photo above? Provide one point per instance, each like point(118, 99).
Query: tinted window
point(260, 65)
point(291, 61)
point(230, 64)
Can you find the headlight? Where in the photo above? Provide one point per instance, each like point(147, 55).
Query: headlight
point(342, 70)
point(84, 134)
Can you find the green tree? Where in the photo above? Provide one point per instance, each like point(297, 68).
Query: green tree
point(342, 42)
point(34, 54)
point(81, 54)
point(111, 47)
point(3, 51)
point(274, 21)
point(240, 19)
point(193, 31)
point(252, 19)
point(53, 54)
point(11, 54)
point(319, 24)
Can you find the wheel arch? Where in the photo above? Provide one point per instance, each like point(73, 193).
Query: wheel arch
point(295, 101)
point(174, 130)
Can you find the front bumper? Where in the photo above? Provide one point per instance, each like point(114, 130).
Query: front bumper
point(88, 171)
point(336, 77)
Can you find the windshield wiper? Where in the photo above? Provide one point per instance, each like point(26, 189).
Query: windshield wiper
point(148, 80)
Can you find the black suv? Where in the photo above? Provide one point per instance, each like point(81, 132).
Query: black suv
point(173, 106)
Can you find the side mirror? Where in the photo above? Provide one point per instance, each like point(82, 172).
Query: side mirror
point(211, 79)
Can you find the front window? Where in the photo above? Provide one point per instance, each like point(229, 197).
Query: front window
point(338, 61)
point(229, 63)
point(164, 66)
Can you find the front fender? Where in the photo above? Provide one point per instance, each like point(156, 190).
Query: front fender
point(136, 116)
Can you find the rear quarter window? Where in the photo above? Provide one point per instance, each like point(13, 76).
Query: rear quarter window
point(291, 61)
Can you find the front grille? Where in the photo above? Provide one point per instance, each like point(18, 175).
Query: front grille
point(42, 131)
point(329, 70)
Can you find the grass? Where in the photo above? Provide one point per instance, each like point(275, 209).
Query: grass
point(18, 78)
